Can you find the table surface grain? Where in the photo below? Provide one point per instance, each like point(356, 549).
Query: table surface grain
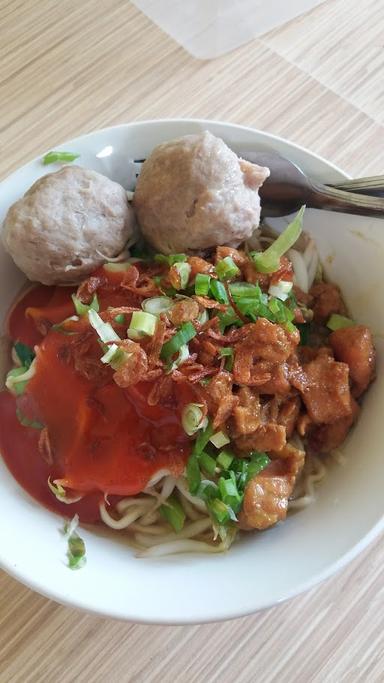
point(69, 67)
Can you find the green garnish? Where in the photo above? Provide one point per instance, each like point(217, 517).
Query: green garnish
point(142, 325)
point(24, 353)
point(207, 463)
point(225, 459)
point(26, 422)
point(173, 513)
point(185, 333)
point(218, 291)
point(157, 304)
point(219, 439)
point(184, 271)
point(193, 473)
point(171, 259)
point(192, 418)
point(339, 322)
point(76, 546)
point(18, 378)
point(227, 352)
point(227, 269)
point(59, 157)
point(120, 318)
point(82, 309)
point(121, 267)
point(268, 261)
point(202, 283)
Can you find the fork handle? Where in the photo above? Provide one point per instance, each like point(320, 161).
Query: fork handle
point(327, 197)
point(373, 185)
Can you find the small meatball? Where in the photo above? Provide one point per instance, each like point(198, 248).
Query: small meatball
point(324, 386)
point(266, 495)
point(68, 224)
point(327, 300)
point(327, 437)
point(354, 346)
point(194, 193)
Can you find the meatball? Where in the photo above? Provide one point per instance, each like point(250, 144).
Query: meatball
point(195, 193)
point(67, 224)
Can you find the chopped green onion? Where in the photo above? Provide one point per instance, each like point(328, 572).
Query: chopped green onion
point(82, 309)
point(26, 422)
point(202, 438)
point(229, 493)
point(227, 269)
point(225, 459)
point(229, 318)
point(268, 261)
point(173, 345)
point(182, 356)
point(142, 325)
point(114, 356)
point(207, 463)
point(218, 291)
point(61, 157)
point(61, 494)
point(339, 322)
point(219, 439)
point(17, 381)
point(193, 473)
point(202, 283)
point(193, 419)
point(281, 290)
point(173, 513)
point(104, 330)
point(207, 490)
point(258, 462)
point(184, 271)
point(15, 387)
point(76, 546)
point(24, 353)
point(203, 317)
point(120, 318)
point(157, 305)
point(121, 267)
point(220, 511)
point(171, 259)
point(227, 352)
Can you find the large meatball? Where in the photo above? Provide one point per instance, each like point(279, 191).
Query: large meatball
point(194, 193)
point(67, 224)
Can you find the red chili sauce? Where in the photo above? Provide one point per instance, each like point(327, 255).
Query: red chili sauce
point(103, 439)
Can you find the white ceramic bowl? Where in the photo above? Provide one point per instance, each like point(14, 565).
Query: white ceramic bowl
point(263, 568)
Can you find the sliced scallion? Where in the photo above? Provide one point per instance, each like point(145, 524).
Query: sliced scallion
point(268, 261)
point(173, 345)
point(171, 259)
point(184, 271)
point(104, 330)
point(142, 325)
point(225, 459)
point(202, 283)
point(281, 290)
point(173, 513)
point(59, 157)
point(227, 269)
point(193, 473)
point(24, 353)
point(219, 439)
point(17, 381)
point(207, 463)
point(218, 291)
point(157, 305)
point(339, 322)
point(192, 418)
point(82, 309)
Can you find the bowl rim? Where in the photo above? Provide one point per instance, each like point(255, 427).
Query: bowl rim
point(225, 614)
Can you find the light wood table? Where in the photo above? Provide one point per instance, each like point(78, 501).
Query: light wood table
point(69, 67)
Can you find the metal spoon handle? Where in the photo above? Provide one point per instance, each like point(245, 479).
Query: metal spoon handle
point(331, 198)
point(373, 185)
